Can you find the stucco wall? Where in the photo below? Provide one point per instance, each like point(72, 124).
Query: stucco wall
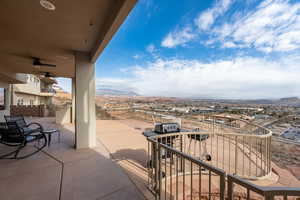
point(26, 99)
point(63, 115)
point(27, 88)
point(4, 112)
point(33, 86)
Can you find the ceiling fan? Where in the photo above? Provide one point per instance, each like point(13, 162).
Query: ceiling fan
point(47, 74)
point(37, 62)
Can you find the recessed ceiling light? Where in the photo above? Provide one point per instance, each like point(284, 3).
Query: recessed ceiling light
point(47, 5)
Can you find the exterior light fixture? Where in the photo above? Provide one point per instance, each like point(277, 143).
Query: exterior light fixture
point(47, 5)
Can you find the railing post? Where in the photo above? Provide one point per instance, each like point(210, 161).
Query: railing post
point(269, 196)
point(236, 155)
point(156, 155)
point(214, 118)
point(181, 149)
point(230, 188)
point(270, 154)
point(222, 187)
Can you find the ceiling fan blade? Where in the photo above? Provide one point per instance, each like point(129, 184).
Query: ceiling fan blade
point(37, 62)
point(47, 65)
point(21, 55)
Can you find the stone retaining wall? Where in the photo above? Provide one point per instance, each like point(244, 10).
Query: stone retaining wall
point(28, 110)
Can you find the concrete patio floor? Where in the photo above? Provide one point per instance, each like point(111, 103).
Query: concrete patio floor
point(128, 147)
point(115, 169)
point(61, 172)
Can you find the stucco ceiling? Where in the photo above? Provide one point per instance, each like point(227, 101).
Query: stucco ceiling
point(29, 30)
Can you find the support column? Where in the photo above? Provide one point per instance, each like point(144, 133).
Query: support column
point(85, 121)
point(73, 100)
point(8, 97)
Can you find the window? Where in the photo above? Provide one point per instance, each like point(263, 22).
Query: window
point(31, 102)
point(2, 99)
point(20, 101)
point(28, 78)
point(36, 81)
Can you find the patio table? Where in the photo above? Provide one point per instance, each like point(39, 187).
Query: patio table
point(49, 134)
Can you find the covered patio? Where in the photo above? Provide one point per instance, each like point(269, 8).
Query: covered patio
point(62, 39)
point(69, 36)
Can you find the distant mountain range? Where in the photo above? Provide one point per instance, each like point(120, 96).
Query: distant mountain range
point(115, 92)
point(287, 101)
point(119, 90)
point(292, 101)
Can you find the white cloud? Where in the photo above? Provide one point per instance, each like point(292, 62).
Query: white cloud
point(203, 22)
point(244, 77)
point(153, 51)
point(111, 81)
point(273, 26)
point(136, 56)
point(65, 84)
point(179, 37)
point(229, 45)
point(151, 48)
point(206, 19)
point(115, 83)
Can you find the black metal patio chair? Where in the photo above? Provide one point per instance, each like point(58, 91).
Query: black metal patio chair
point(18, 134)
point(19, 122)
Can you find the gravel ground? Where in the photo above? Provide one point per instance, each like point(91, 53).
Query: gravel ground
point(287, 156)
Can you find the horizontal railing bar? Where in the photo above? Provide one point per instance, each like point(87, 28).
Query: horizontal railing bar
point(210, 133)
point(231, 118)
point(290, 191)
point(246, 184)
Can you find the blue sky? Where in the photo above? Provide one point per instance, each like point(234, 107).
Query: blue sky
point(212, 49)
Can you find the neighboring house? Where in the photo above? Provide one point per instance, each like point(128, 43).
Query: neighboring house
point(5, 91)
point(2, 100)
point(37, 90)
point(61, 97)
point(292, 134)
point(261, 116)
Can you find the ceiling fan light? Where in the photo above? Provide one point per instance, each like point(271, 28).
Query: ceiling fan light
point(47, 5)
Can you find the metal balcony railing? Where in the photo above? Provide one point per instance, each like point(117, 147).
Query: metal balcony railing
point(194, 164)
point(48, 90)
point(171, 171)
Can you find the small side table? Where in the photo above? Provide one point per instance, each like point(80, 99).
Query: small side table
point(49, 134)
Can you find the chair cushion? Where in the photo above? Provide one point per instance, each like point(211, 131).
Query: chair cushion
point(21, 123)
point(30, 138)
point(30, 130)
